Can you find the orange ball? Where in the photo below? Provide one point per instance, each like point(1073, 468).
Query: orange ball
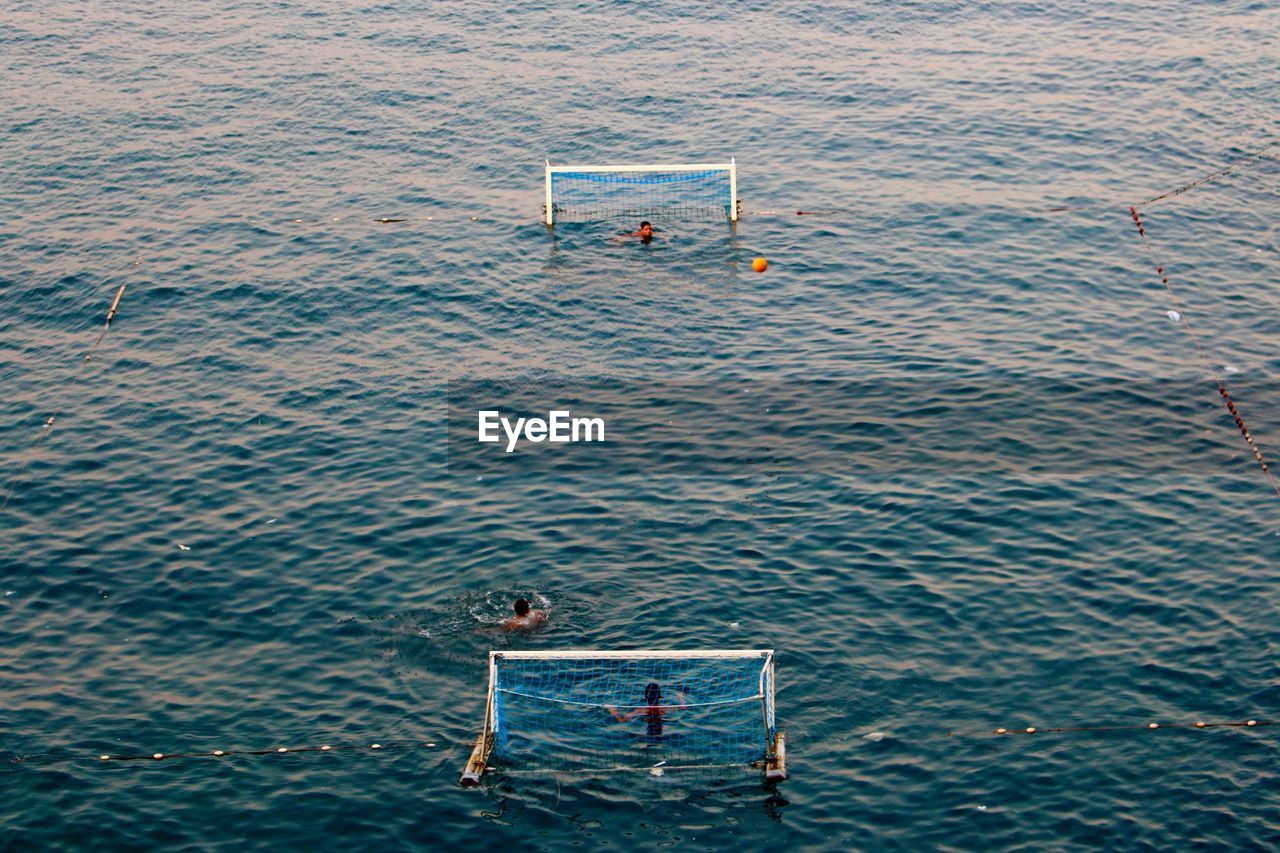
point(759, 265)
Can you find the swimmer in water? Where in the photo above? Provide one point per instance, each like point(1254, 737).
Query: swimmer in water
point(646, 234)
point(526, 618)
point(653, 710)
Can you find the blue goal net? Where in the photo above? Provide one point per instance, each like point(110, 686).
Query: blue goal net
point(700, 192)
point(638, 710)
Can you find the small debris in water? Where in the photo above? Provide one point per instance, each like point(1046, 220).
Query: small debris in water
point(874, 737)
point(273, 521)
point(1227, 368)
point(184, 547)
point(982, 808)
point(1174, 316)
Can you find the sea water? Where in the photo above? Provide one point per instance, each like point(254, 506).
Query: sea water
point(1028, 507)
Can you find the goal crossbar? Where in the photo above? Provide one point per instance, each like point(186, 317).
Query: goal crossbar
point(651, 167)
point(639, 654)
point(680, 190)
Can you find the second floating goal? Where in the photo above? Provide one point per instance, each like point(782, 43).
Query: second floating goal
point(678, 191)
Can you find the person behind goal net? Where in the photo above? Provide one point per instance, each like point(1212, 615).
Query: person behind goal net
point(653, 711)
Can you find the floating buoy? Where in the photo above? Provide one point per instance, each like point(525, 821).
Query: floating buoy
point(325, 748)
point(376, 746)
point(1002, 731)
point(1153, 725)
point(158, 756)
point(104, 757)
point(283, 749)
point(759, 265)
point(1031, 730)
point(1200, 724)
point(1251, 723)
point(219, 752)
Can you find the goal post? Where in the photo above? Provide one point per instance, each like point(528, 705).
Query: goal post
point(653, 711)
point(672, 191)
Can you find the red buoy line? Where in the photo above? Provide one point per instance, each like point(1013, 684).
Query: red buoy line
point(1239, 165)
point(48, 424)
point(1204, 356)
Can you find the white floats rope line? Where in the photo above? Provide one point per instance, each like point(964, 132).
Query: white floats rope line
point(757, 697)
point(277, 750)
point(48, 424)
point(390, 746)
point(1150, 726)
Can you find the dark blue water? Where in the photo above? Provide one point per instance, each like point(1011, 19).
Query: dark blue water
point(273, 397)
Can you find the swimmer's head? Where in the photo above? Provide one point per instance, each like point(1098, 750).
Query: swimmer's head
point(652, 693)
point(646, 229)
point(522, 606)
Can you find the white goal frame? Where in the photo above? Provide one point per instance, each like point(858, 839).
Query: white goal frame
point(775, 761)
point(731, 167)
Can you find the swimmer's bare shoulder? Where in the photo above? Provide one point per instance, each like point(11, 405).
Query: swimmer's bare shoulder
point(525, 623)
point(526, 618)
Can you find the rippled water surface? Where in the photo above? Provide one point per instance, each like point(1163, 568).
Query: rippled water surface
point(244, 532)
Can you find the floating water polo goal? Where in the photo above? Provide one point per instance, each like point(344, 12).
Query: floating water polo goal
point(649, 711)
point(684, 191)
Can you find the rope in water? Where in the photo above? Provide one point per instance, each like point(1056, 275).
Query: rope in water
point(1240, 165)
point(227, 753)
point(48, 424)
point(1204, 356)
point(392, 746)
point(1152, 726)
